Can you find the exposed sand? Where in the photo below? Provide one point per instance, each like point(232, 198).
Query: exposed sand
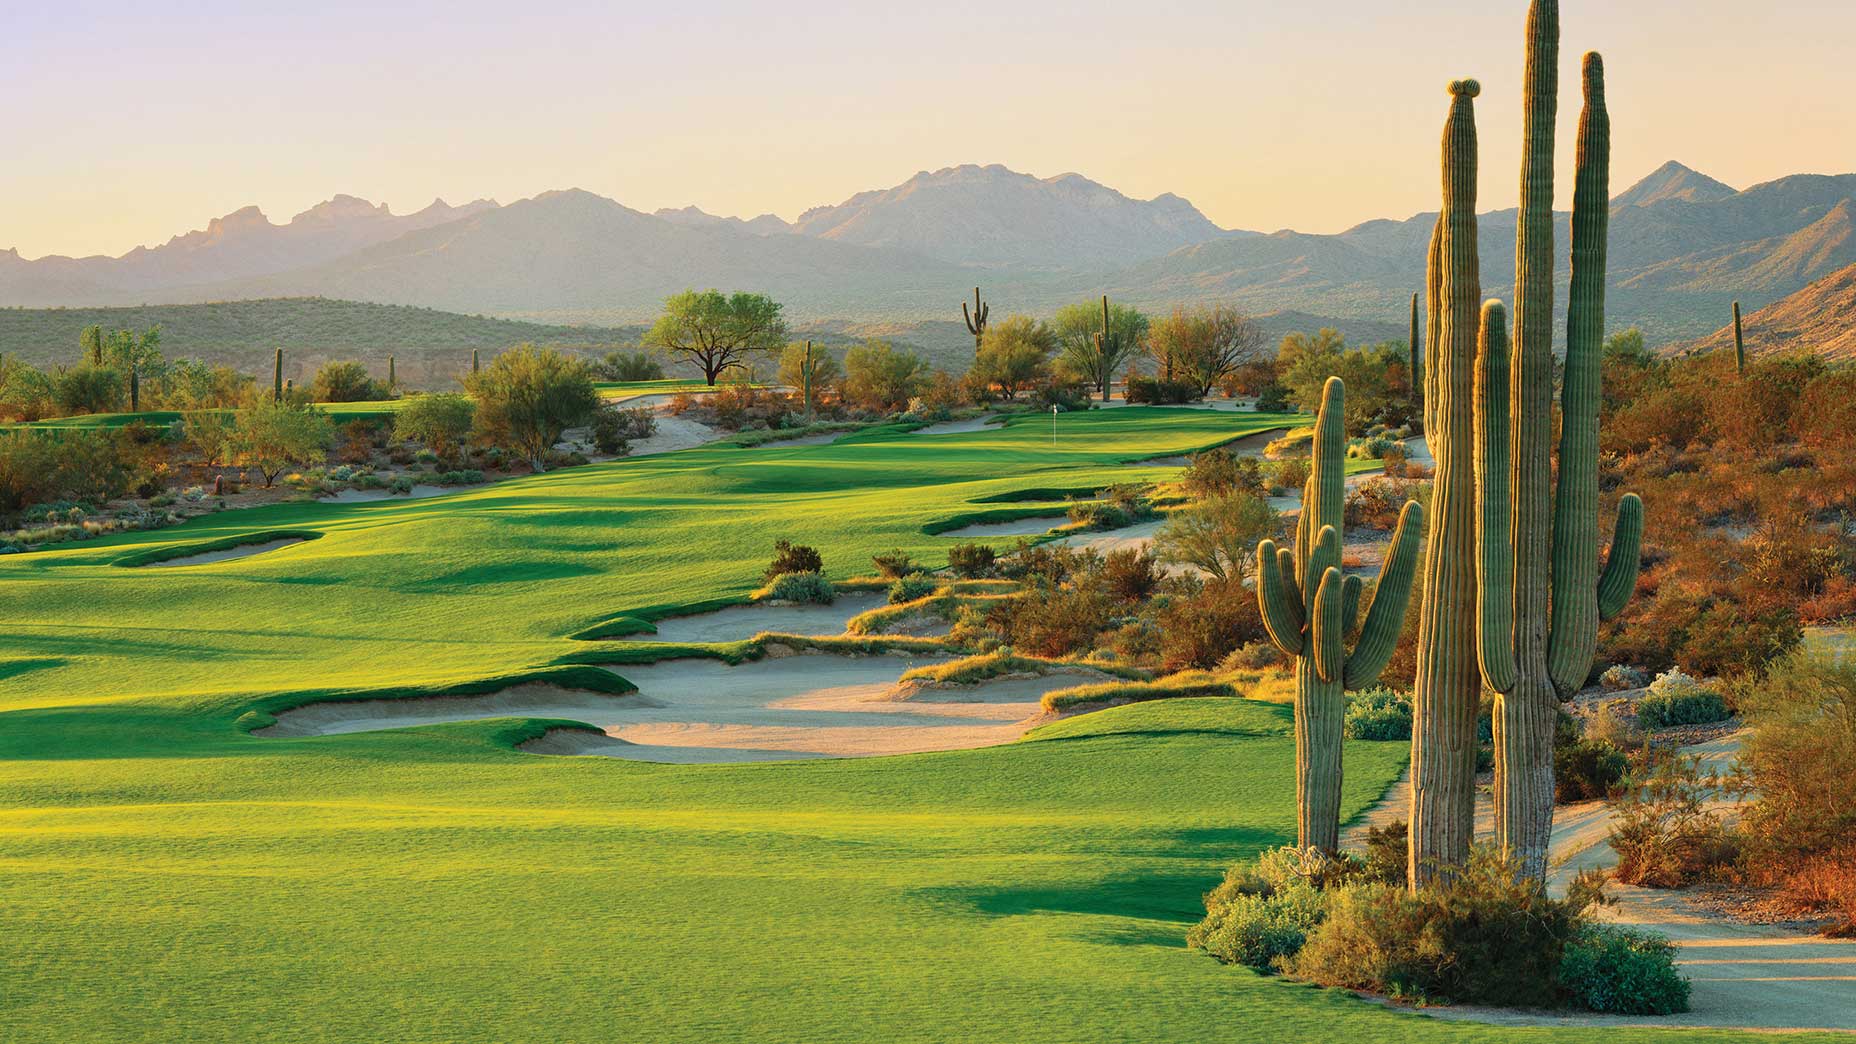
point(1139, 536)
point(1035, 526)
point(1743, 976)
point(689, 711)
point(361, 496)
point(674, 433)
point(745, 621)
point(531, 700)
point(226, 554)
point(960, 427)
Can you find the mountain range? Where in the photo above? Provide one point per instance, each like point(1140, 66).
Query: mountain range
point(1821, 317)
point(1683, 247)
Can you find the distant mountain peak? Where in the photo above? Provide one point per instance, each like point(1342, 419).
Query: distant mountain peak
point(1673, 181)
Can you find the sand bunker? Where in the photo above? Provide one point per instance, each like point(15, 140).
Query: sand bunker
point(689, 711)
point(745, 621)
point(362, 496)
point(227, 554)
point(1037, 526)
point(961, 427)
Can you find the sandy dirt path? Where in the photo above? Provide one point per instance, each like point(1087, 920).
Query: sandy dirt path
point(1743, 976)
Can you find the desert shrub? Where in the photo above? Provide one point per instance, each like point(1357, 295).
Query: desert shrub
point(1129, 574)
point(1587, 769)
point(1274, 398)
point(1218, 536)
point(1258, 930)
point(1376, 503)
point(1066, 396)
point(629, 366)
point(1619, 677)
point(1488, 936)
point(971, 561)
point(1252, 656)
point(1663, 831)
point(528, 396)
point(441, 421)
point(1677, 699)
point(880, 378)
point(1378, 714)
point(1218, 473)
point(461, 477)
point(789, 557)
point(615, 429)
point(800, 587)
point(910, 588)
point(346, 381)
point(1149, 391)
point(1052, 620)
point(1207, 619)
point(1623, 971)
point(1292, 474)
point(893, 564)
point(1388, 852)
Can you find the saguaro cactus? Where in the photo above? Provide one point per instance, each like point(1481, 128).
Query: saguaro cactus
point(1417, 376)
point(277, 376)
point(1309, 606)
point(393, 377)
point(976, 319)
point(1540, 596)
point(135, 386)
point(1107, 348)
point(1739, 344)
point(473, 360)
point(1448, 685)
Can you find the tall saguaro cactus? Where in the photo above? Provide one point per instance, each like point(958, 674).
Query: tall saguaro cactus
point(473, 360)
point(277, 376)
point(976, 319)
point(1739, 344)
point(393, 375)
point(1417, 376)
point(1448, 683)
point(1541, 596)
point(1309, 606)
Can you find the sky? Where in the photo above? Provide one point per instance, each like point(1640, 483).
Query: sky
point(129, 122)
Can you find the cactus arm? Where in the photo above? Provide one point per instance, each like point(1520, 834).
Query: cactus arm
point(1350, 591)
point(1324, 557)
point(1620, 576)
point(1325, 637)
point(1303, 542)
point(1494, 540)
point(1573, 638)
point(1280, 605)
point(1385, 618)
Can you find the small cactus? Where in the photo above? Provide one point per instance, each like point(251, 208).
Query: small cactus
point(277, 376)
point(1309, 607)
point(473, 360)
point(1739, 343)
point(976, 319)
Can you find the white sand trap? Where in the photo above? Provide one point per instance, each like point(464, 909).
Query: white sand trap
point(1744, 976)
point(1036, 526)
point(745, 621)
point(363, 496)
point(1139, 537)
point(227, 554)
point(690, 711)
point(961, 427)
point(674, 433)
point(531, 700)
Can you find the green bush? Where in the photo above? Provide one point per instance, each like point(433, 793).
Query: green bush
point(1159, 393)
point(615, 429)
point(893, 565)
point(1274, 399)
point(1623, 971)
point(1263, 911)
point(1677, 699)
point(971, 560)
point(789, 557)
point(1487, 937)
point(800, 587)
point(911, 588)
point(1378, 714)
point(1587, 769)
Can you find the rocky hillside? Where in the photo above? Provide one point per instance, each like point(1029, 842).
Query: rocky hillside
point(1819, 318)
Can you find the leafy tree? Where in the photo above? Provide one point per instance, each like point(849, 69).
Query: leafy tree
point(1370, 390)
point(25, 391)
point(1217, 535)
point(345, 381)
point(1015, 354)
point(441, 421)
point(629, 366)
point(804, 366)
point(213, 435)
point(717, 331)
point(1090, 356)
point(1203, 345)
point(528, 396)
point(878, 377)
point(275, 435)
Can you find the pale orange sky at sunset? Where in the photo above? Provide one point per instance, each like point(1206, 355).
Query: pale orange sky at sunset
point(1313, 116)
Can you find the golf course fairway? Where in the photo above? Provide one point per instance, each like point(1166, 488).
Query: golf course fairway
point(167, 876)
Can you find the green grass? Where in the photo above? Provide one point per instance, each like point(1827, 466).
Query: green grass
point(167, 876)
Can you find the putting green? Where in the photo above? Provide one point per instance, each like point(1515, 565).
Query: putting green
point(166, 876)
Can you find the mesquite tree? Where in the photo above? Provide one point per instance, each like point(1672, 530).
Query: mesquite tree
point(1309, 607)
